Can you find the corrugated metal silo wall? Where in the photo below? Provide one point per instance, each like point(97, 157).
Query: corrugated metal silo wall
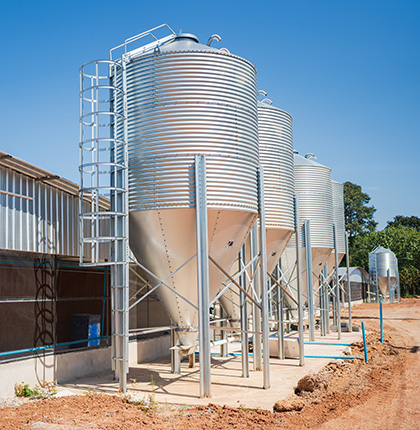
point(36, 217)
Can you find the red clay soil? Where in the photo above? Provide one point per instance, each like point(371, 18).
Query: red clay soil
point(382, 394)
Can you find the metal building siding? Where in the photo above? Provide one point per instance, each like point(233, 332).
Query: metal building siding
point(36, 217)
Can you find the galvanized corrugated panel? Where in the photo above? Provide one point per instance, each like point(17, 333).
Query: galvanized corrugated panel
point(187, 99)
point(338, 215)
point(276, 157)
point(182, 103)
point(36, 217)
point(314, 190)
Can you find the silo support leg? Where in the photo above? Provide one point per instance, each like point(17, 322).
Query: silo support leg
point(264, 283)
point(309, 280)
point(203, 275)
point(337, 285)
point(299, 282)
point(348, 280)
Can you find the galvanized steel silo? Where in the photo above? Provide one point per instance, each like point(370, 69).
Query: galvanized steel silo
point(340, 223)
point(380, 261)
point(185, 99)
point(314, 191)
point(276, 157)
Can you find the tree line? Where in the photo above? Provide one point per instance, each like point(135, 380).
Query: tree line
point(401, 236)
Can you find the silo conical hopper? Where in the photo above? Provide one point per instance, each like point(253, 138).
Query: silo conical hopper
point(380, 261)
point(185, 99)
point(276, 157)
point(314, 191)
point(340, 224)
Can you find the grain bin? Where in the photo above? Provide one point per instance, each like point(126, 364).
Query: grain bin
point(314, 191)
point(186, 99)
point(340, 224)
point(380, 261)
point(276, 158)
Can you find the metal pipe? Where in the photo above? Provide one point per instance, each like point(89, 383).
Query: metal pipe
point(337, 285)
point(203, 275)
point(244, 318)
point(364, 342)
point(175, 359)
point(256, 313)
point(299, 281)
point(334, 357)
point(224, 347)
point(41, 348)
point(381, 321)
point(280, 324)
point(348, 280)
point(264, 281)
point(390, 288)
point(214, 37)
point(309, 279)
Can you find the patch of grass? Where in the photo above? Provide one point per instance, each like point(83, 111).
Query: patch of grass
point(45, 390)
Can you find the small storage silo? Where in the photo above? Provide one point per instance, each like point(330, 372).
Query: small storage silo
point(186, 99)
point(380, 261)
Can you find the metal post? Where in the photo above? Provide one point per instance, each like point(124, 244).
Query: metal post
point(308, 249)
point(256, 313)
point(381, 320)
point(322, 304)
point(224, 351)
point(337, 285)
point(263, 281)
point(244, 318)
point(390, 287)
point(175, 359)
point(398, 288)
point(280, 317)
point(376, 278)
point(364, 342)
point(202, 275)
point(348, 280)
point(299, 282)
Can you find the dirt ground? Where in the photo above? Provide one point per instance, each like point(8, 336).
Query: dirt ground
point(382, 394)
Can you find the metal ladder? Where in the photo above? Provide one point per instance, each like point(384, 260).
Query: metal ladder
point(103, 193)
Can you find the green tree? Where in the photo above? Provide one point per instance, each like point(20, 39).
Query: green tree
point(358, 215)
point(405, 221)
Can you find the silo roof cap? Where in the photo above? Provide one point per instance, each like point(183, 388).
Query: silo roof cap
point(303, 161)
point(186, 36)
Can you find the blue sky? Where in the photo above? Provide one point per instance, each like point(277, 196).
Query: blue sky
point(348, 72)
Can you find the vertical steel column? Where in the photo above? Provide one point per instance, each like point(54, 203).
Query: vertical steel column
point(321, 306)
point(263, 281)
point(202, 274)
point(309, 280)
point(280, 318)
point(398, 288)
point(256, 313)
point(348, 279)
point(224, 352)
point(390, 287)
point(299, 281)
point(327, 301)
point(175, 359)
point(244, 317)
point(337, 285)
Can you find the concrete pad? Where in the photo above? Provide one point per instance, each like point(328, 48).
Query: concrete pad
point(228, 387)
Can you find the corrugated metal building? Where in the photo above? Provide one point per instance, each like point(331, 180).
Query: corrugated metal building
point(38, 210)
point(42, 285)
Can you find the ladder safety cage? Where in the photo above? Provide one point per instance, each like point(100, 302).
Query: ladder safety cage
point(103, 169)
